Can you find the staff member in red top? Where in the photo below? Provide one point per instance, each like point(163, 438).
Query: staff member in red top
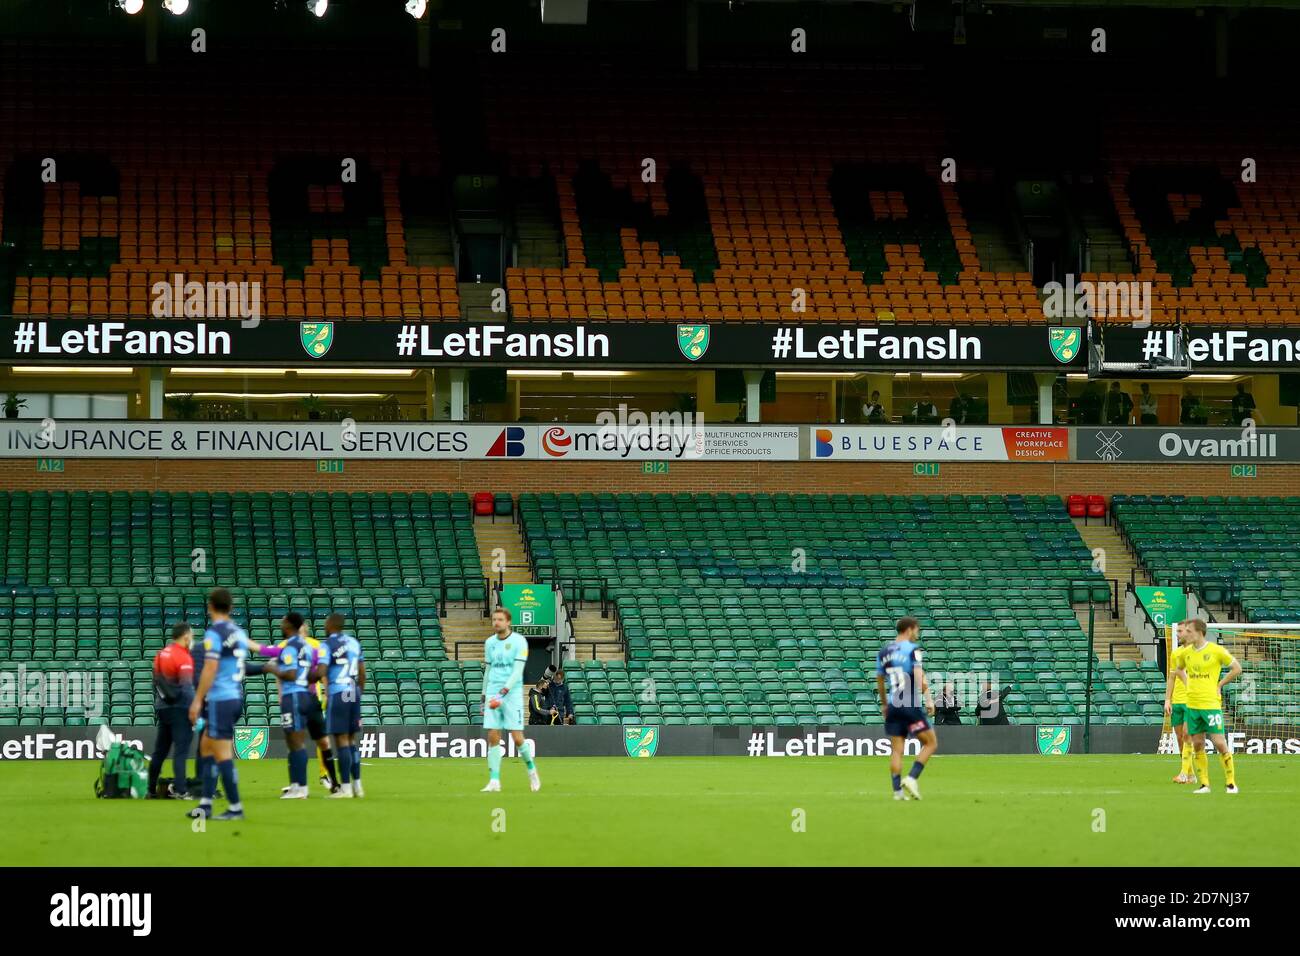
point(173, 689)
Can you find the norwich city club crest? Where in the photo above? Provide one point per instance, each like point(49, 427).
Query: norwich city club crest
point(640, 741)
point(251, 742)
point(693, 340)
point(316, 337)
point(1064, 342)
point(1054, 740)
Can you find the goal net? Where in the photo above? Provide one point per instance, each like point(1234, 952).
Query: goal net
point(1261, 708)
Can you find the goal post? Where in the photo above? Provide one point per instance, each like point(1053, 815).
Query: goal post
point(1264, 702)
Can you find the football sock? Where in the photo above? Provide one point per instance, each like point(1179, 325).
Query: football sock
point(494, 761)
point(898, 781)
point(345, 765)
point(1186, 770)
point(327, 761)
point(1229, 768)
point(298, 766)
point(208, 774)
point(526, 754)
point(1202, 763)
point(916, 770)
point(230, 781)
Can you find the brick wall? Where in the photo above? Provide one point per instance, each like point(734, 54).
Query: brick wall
point(575, 476)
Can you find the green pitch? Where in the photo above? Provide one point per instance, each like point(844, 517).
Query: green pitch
point(1026, 810)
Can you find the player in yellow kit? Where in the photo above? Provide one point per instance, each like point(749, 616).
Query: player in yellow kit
point(1176, 704)
point(1202, 665)
point(329, 778)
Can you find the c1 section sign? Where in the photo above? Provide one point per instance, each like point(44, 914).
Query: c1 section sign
point(938, 443)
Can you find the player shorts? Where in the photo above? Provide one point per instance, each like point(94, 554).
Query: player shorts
point(1204, 721)
point(343, 716)
point(302, 712)
point(1177, 714)
point(509, 716)
point(221, 718)
point(906, 721)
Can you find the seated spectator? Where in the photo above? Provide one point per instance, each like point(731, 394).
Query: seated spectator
point(959, 409)
point(873, 413)
point(1147, 408)
point(947, 705)
point(1243, 405)
point(1119, 406)
point(539, 710)
point(925, 412)
point(560, 699)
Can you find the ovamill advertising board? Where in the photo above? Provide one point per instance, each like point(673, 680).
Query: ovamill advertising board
point(1145, 444)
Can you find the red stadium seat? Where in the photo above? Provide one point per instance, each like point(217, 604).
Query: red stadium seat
point(483, 502)
point(1076, 505)
point(1096, 506)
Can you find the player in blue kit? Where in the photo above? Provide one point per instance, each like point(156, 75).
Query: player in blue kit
point(219, 700)
point(294, 664)
point(504, 656)
point(906, 705)
point(344, 667)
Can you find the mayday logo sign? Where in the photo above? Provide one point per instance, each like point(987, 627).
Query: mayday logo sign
point(299, 440)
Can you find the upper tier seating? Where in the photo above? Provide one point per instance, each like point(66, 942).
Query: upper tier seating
point(766, 182)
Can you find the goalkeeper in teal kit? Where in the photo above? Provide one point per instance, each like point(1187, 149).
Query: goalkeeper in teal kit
point(505, 654)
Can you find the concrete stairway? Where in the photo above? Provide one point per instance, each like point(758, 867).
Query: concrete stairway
point(590, 626)
point(1119, 564)
point(541, 244)
point(502, 538)
point(476, 301)
point(465, 624)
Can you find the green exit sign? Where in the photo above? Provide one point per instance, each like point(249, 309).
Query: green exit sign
point(49, 464)
point(927, 468)
point(329, 465)
point(1244, 471)
point(654, 467)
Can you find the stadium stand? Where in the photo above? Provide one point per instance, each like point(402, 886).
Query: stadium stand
point(95, 579)
point(1229, 549)
point(727, 631)
point(716, 619)
point(240, 191)
point(843, 200)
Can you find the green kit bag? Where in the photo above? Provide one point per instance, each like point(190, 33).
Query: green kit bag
point(123, 774)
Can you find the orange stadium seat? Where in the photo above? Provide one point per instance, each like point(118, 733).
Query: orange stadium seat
point(770, 234)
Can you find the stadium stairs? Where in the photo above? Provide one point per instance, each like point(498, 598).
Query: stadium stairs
point(597, 637)
point(467, 625)
point(1111, 639)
